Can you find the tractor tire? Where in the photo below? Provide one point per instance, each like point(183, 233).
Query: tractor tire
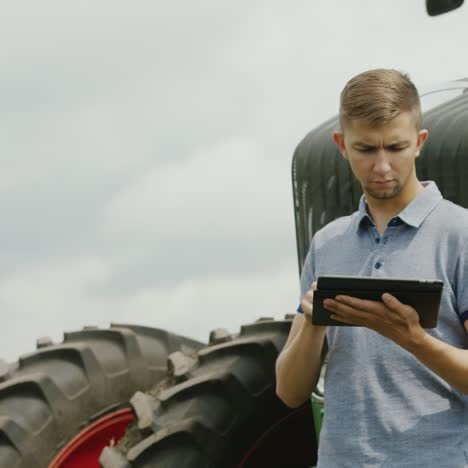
point(213, 410)
point(48, 396)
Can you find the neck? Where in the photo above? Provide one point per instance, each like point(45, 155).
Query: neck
point(383, 210)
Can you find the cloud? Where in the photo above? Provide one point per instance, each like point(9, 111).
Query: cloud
point(145, 148)
point(49, 302)
point(226, 209)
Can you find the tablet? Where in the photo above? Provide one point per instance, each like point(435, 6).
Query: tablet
point(423, 295)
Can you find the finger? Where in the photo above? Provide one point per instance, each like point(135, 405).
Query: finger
point(376, 308)
point(310, 293)
point(306, 302)
point(375, 311)
point(395, 305)
point(344, 310)
point(360, 304)
point(306, 305)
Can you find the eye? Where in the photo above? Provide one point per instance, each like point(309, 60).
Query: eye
point(396, 149)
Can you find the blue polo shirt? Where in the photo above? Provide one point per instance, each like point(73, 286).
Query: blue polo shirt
point(383, 408)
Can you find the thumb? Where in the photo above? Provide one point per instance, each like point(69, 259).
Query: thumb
point(394, 304)
point(390, 301)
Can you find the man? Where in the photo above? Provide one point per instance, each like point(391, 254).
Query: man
point(396, 395)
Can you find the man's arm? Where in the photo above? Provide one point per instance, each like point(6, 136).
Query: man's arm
point(445, 360)
point(299, 363)
point(400, 323)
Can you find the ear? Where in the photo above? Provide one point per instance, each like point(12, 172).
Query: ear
point(338, 138)
point(422, 137)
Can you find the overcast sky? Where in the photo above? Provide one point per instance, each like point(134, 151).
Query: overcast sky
point(146, 150)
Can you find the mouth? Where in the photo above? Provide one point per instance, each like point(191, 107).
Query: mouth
point(382, 182)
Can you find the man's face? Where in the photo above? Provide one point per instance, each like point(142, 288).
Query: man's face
point(382, 158)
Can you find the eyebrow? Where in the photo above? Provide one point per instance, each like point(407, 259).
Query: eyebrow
point(361, 144)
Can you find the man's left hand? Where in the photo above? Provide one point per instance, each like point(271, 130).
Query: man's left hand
point(391, 318)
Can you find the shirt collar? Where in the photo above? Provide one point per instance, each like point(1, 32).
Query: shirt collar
point(363, 218)
point(413, 214)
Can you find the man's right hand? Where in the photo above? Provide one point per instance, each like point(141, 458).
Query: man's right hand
point(299, 363)
point(307, 305)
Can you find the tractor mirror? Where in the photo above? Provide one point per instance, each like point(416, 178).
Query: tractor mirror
point(439, 7)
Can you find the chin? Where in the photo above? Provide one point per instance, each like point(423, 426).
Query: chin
point(384, 195)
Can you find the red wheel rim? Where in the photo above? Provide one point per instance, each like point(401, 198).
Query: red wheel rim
point(290, 439)
point(85, 448)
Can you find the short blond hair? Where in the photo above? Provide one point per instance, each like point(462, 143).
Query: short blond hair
point(378, 96)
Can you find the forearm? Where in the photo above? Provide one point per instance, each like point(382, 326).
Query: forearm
point(448, 362)
point(298, 366)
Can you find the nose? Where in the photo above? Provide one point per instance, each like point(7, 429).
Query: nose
point(382, 163)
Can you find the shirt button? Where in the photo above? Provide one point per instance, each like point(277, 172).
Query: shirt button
point(378, 265)
point(385, 240)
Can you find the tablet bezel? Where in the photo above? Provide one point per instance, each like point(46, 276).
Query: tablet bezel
point(423, 294)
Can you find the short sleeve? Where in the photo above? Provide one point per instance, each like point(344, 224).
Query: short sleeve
point(308, 274)
point(462, 284)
